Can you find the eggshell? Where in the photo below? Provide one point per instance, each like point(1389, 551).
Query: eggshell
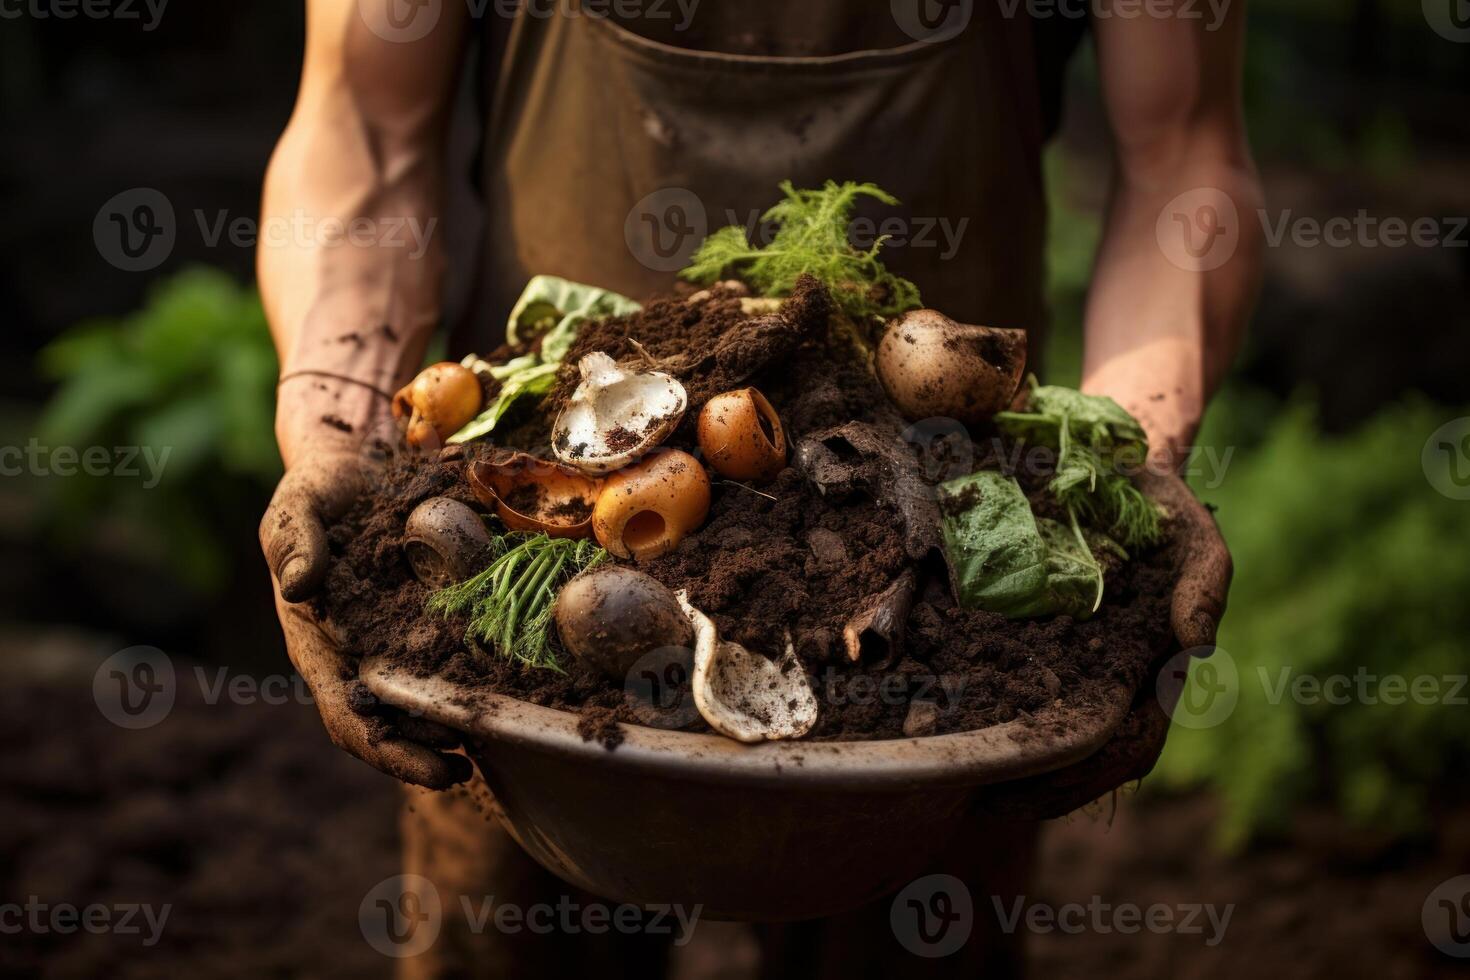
point(645, 510)
point(734, 441)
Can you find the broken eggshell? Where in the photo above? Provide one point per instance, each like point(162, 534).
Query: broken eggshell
point(741, 437)
point(743, 695)
point(438, 403)
point(613, 616)
point(645, 510)
point(933, 367)
point(533, 495)
point(616, 416)
point(445, 542)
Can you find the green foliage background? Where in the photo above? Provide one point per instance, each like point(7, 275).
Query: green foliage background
point(194, 372)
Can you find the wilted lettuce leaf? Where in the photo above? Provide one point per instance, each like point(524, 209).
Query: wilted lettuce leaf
point(1003, 560)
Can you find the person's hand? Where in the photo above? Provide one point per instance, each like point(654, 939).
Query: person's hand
point(1155, 384)
point(323, 479)
point(1205, 566)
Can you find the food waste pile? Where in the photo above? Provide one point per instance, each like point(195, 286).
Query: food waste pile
point(762, 517)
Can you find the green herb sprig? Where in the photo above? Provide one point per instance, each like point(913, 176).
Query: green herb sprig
point(510, 602)
point(812, 237)
point(1094, 437)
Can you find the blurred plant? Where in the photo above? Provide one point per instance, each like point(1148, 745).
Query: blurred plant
point(192, 373)
point(1347, 560)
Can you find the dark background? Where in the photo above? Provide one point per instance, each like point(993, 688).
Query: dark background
point(1327, 828)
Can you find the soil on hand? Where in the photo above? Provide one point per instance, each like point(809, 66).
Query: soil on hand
point(794, 557)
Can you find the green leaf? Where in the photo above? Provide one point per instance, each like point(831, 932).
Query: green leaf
point(1096, 442)
point(557, 307)
point(1003, 560)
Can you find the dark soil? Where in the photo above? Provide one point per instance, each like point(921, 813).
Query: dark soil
point(789, 558)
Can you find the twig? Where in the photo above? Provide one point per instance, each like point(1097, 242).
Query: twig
point(643, 351)
point(742, 486)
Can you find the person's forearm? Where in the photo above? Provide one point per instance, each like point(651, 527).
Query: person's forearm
point(351, 259)
point(351, 289)
point(1162, 326)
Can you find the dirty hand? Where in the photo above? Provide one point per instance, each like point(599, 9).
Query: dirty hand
point(323, 477)
point(1205, 565)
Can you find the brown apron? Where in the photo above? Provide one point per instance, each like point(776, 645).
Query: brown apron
point(615, 145)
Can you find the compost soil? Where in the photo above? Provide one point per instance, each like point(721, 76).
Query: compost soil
point(782, 557)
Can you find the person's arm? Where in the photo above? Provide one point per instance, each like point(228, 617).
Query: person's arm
point(349, 268)
point(1166, 312)
point(351, 239)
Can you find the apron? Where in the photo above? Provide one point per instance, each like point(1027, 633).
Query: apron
point(615, 145)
